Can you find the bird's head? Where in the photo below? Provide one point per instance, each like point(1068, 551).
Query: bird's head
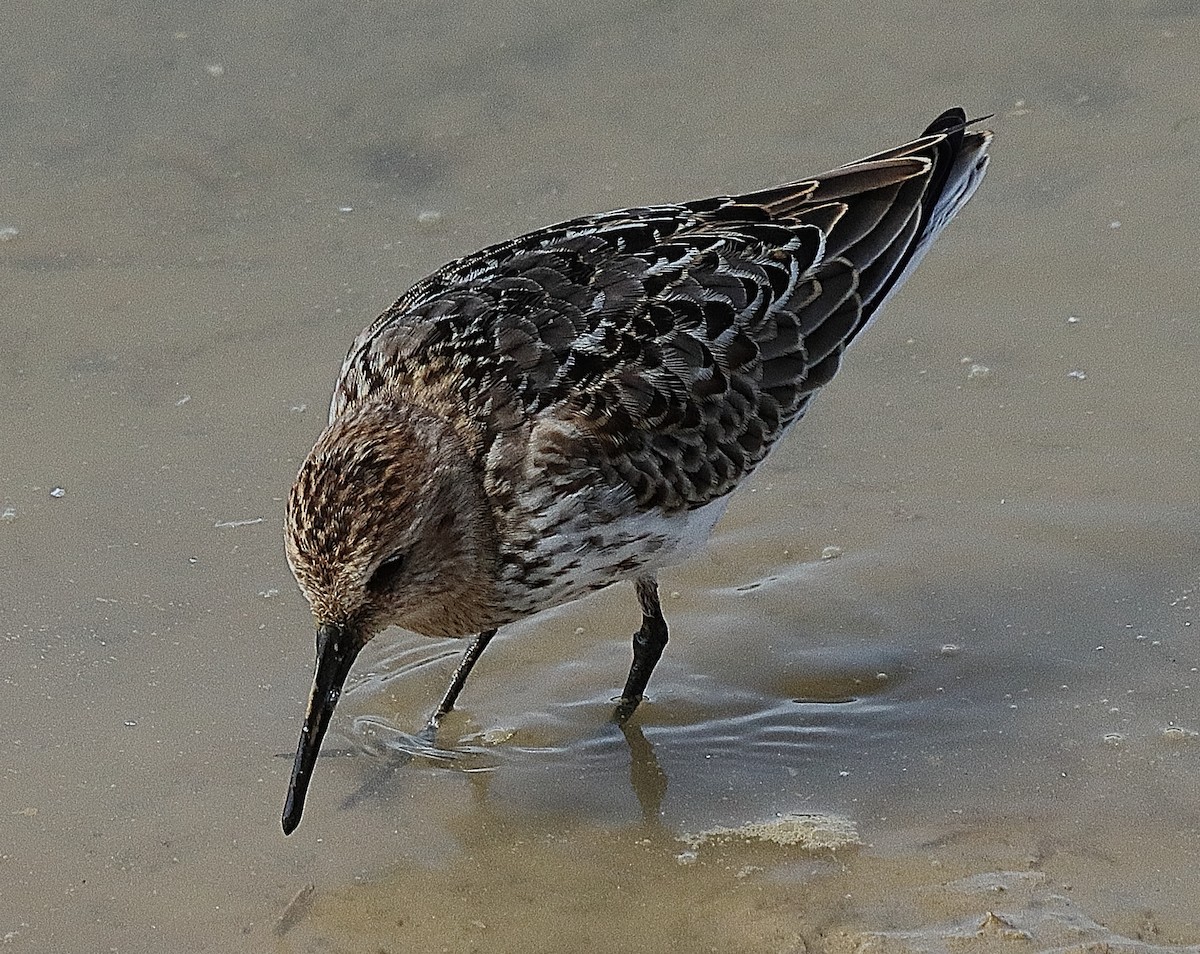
point(387, 524)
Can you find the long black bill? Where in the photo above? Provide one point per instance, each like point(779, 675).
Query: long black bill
point(337, 648)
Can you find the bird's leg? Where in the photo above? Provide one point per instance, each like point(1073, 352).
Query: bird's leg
point(469, 658)
point(648, 644)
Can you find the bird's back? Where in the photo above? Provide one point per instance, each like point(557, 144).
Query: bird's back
point(676, 343)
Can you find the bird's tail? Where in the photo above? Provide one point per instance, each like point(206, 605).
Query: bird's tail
point(879, 215)
point(960, 160)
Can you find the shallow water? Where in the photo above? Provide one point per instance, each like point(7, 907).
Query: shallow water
point(992, 675)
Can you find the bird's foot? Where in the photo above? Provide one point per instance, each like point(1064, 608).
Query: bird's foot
point(624, 709)
point(429, 733)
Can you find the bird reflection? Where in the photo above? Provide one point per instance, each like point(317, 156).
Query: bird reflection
point(395, 750)
point(646, 775)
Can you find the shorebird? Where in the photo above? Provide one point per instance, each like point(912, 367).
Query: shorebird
point(573, 408)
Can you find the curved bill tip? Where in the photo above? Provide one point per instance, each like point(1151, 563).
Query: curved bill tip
point(337, 648)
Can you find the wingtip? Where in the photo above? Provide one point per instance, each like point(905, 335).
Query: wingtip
point(952, 119)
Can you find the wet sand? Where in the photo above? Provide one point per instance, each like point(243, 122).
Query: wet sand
point(956, 610)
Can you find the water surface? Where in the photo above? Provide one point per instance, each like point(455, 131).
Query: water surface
point(992, 674)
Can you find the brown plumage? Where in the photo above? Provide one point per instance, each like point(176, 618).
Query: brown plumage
point(573, 407)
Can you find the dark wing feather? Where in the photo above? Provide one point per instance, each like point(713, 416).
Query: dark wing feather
point(683, 339)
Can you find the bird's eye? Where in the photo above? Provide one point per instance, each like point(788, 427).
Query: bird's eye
point(387, 572)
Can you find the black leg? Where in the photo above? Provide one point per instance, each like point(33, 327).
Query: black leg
point(648, 645)
point(470, 657)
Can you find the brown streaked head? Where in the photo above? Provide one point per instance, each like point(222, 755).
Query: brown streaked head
point(387, 524)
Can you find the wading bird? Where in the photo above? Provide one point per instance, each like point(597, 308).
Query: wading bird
point(574, 407)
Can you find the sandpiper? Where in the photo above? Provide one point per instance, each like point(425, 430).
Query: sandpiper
point(572, 408)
